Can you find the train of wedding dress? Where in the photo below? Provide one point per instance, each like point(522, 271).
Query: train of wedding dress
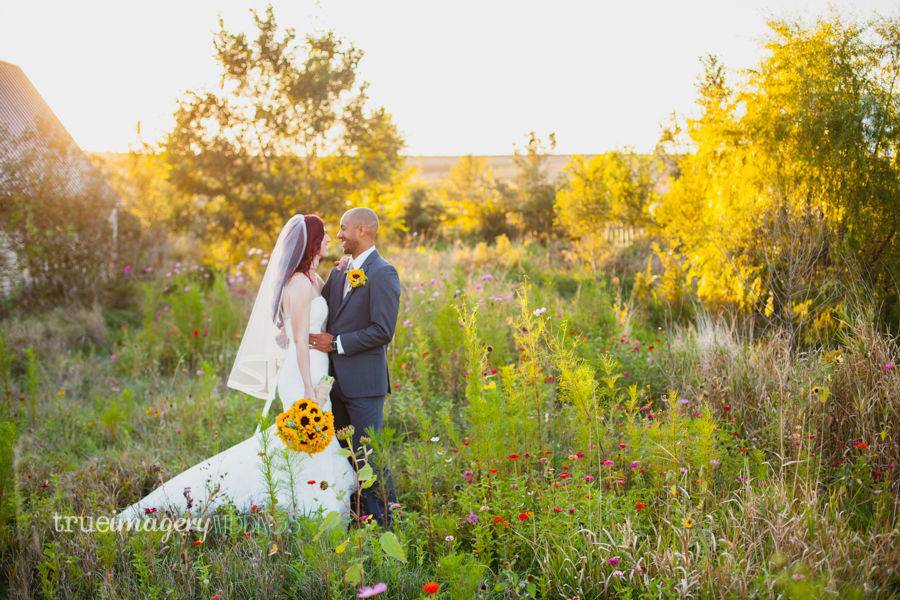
point(306, 484)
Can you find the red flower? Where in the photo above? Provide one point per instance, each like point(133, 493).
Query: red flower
point(523, 516)
point(513, 456)
point(197, 542)
point(216, 596)
point(466, 442)
point(149, 510)
point(861, 445)
point(640, 505)
point(492, 470)
point(557, 509)
point(196, 332)
point(726, 408)
point(431, 588)
point(311, 482)
point(563, 475)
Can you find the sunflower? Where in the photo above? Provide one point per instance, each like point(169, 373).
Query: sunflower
point(305, 427)
point(357, 277)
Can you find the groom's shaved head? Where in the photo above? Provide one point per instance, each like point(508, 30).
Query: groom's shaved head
point(359, 226)
point(363, 217)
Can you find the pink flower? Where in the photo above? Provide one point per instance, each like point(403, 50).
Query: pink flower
point(635, 464)
point(127, 269)
point(372, 591)
point(588, 478)
point(608, 463)
point(113, 357)
point(889, 365)
point(614, 561)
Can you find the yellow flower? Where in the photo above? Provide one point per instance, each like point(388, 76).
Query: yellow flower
point(61, 392)
point(688, 522)
point(305, 427)
point(770, 306)
point(357, 277)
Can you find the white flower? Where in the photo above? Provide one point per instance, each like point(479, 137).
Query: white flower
point(435, 439)
point(540, 311)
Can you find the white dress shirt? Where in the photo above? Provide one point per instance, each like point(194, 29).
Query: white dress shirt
point(355, 263)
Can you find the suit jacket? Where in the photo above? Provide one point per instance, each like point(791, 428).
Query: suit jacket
point(366, 319)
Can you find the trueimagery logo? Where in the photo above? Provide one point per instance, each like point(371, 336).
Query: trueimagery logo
point(90, 524)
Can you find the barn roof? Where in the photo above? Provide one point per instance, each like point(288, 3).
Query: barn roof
point(24, 110)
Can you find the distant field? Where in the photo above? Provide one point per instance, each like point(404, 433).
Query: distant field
point(431, 169)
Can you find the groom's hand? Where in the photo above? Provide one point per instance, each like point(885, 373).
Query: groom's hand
point(320, 341)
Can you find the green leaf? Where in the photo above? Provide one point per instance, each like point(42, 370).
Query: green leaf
point(332, 519)
point(353, 576)
point(366, 472)
point(345, 452)
point(392, 547)
point(369, 482)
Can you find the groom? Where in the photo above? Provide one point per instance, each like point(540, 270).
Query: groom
point(362, 316)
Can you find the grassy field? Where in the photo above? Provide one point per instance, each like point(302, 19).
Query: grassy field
point(549, 436)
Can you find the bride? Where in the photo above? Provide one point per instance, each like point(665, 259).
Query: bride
point(289, 303)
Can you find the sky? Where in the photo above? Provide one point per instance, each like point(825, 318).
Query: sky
point(461, 77)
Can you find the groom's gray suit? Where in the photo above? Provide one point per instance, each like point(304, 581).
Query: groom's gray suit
point(365, 319)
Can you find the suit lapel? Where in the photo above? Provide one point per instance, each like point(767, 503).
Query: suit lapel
point(365, 267)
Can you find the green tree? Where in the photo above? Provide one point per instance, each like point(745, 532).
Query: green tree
point(287, 131)
point(615, 188)
point(472, 200)
point(535, 191)
point(60, 220)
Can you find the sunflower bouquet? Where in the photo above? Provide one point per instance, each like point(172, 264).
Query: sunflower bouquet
point(305, 427)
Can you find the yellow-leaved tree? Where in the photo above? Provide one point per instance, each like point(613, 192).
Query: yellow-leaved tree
point(790, 179)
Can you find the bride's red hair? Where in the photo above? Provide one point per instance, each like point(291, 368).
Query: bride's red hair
point(315, 233)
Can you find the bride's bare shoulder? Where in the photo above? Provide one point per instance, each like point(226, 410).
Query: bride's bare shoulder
point(299, 286)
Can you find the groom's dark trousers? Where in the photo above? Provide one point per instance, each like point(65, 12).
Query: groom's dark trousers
point(364, 320)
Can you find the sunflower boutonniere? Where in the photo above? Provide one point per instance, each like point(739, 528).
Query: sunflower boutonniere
point(357, 278)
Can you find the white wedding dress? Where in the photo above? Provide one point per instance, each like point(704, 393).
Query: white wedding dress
point(303, 483)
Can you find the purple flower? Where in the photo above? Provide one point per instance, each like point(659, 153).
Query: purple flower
point(635, 464)
point(614, 561)
point(588, 478)
point(538, 312)
point(472, 518)
point(370, 591)
point(468, 475)
point(607, 463)
point(487, 277)
point(683, 401)
point(714, 462)
point(113, 356)
point(889, 365)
